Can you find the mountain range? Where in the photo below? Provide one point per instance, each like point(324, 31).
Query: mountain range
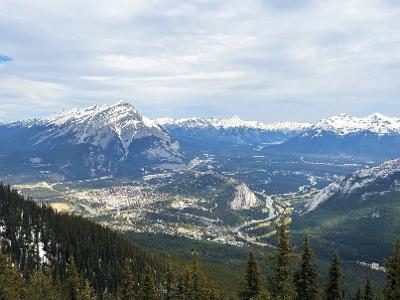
point(375, 135)
point(113, 140)
point(214, 132)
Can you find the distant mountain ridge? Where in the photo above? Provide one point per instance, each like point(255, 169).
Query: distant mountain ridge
point(344, 124)
point(230, 131)
point(116, 139)
point(341, 124)
point(233, 122)
point(373, 136)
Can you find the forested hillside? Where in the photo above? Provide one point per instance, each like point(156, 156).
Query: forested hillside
point(70, 257)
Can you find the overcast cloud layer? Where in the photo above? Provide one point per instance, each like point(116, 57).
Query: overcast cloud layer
point(266, 60)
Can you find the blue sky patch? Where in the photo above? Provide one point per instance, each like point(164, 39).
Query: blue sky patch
point(4, 59)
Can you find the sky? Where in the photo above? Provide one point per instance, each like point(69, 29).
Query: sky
point(270, 60)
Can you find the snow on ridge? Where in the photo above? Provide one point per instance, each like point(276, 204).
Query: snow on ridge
point(354, 182)
point(322, 196)
point(98, 125)
point(341, 124)
point(115, 112)
point(234, 122)
point(344, 124)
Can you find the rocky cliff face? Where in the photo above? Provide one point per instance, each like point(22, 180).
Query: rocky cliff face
point(244, 198)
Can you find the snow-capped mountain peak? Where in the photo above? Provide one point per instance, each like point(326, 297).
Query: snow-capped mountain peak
point(344, 124)
point(341, 124)
point(233, 122)
point(112, 113)
point(99, 125)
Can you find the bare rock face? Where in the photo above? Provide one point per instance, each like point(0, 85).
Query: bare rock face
point(244, 198)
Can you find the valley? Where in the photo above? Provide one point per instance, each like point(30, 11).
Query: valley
point(229, 197)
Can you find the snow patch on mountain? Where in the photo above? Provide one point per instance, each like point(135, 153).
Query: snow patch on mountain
point(234, 122)
point(100, 125)
point(244, 198)
point(354, 182)
point(344, 124)
point(322, 196)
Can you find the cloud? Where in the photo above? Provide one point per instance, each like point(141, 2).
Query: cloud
point(265, 60)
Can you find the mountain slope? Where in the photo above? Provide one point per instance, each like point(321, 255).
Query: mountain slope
point(99, 140)
point(375, 135)
point(38, 238)
point(357, 213)
point(33, 238)
point(380, 179)
point(207, 132)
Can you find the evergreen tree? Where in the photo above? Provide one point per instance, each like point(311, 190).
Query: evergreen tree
point(171, 287)
point(148, 286)
point(72, 281)
point(252, 282)
point(183, 284)
point(128, 289)
point(107, 296)
point(307, 278)
point(11, 284)
point(198, 287)
point(334, 289)
point(359, 295)
point(368, 291)
point(86, 292)
point(193, 283)
point(57, 283)
point(264, 294)
point(281, 281)
point(40, 287)
point(392, 287)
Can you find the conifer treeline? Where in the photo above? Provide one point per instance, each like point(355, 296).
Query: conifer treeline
point(84, 260)
point(284, 282)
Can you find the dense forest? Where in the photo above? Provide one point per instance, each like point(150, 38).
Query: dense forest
point(48, 255)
